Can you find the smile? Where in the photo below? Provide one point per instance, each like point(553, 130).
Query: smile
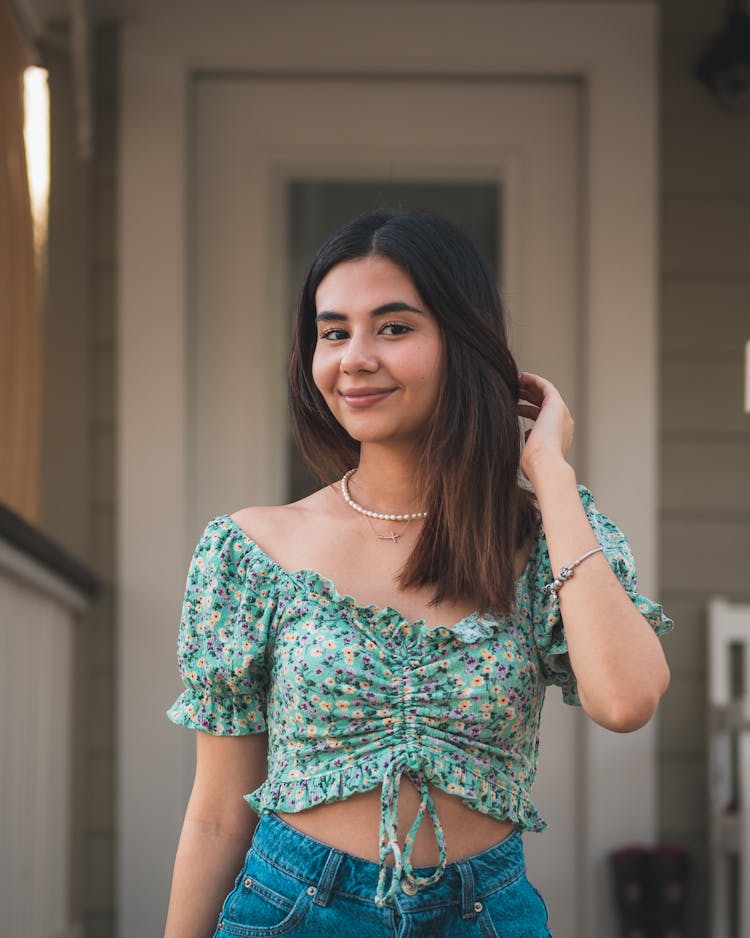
point(365, 397)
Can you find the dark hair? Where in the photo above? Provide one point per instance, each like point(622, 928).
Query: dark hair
point(478, 513)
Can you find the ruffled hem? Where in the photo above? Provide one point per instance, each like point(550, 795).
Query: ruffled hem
point(293, 795)
point(239, 715)
point(653, 613)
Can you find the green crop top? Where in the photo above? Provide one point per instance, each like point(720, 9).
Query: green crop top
point(355, 696)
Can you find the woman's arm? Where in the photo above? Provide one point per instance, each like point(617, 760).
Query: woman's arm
point(217, 831)
point(615, 655)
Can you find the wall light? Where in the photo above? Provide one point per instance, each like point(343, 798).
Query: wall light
point(36, 140)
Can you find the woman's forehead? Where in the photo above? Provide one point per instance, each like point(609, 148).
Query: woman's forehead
point(364, 278)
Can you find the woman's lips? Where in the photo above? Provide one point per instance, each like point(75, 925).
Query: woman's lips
point(366, 397)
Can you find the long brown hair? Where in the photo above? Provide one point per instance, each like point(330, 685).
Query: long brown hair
point(468, 480)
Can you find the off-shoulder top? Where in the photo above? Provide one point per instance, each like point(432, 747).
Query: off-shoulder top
point(353, 697)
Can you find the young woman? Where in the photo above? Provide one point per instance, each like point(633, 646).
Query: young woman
point(367, 666)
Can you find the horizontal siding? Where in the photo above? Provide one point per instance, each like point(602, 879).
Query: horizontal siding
point(703, 556)
point(705, 479)
point(682, 719)
point(705, 236)
point(705, 435)
point(685, 646)
point(683, 780)
point(705, 316)
point(709, 158)
point(702, 396)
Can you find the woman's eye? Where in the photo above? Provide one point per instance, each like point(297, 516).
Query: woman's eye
point(395, 328)
point(333, 334)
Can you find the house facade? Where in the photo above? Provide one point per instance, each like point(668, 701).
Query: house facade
point(608, 187)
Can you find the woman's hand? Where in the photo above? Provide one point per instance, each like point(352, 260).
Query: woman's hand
point(548, 441)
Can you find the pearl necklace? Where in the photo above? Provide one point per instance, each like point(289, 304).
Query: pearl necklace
point(380, 515)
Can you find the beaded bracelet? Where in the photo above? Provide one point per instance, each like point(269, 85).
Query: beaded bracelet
point(567, 572)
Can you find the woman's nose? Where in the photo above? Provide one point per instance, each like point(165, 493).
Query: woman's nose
point(358, 355)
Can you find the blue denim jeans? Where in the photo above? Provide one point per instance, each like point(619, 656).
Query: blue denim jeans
point(294, 885)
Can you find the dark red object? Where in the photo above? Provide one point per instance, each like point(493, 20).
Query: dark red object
point(650, 886)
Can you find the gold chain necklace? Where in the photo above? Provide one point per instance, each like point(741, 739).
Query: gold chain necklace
point(388, 537)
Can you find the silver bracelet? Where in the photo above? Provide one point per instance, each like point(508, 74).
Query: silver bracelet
point(567, 572)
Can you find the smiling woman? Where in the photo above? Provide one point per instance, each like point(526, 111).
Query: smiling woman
point(392, 635)
point(378, 366)
point(458, 405)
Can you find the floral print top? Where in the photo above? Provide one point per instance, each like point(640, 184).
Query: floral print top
point(355, 696)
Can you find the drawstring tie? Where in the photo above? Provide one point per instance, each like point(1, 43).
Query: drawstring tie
point(411, 765)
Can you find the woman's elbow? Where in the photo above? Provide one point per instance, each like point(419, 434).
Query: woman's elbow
point(631, 716)
point(631, 711)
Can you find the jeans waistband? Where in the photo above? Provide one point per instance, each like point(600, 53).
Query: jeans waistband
point(331, 870)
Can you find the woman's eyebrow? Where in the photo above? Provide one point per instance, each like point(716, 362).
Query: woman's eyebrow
point(397, 306)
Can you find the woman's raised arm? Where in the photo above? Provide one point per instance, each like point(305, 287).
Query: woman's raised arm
point(617, 658)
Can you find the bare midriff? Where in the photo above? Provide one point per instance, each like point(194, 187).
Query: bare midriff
point(353, 825)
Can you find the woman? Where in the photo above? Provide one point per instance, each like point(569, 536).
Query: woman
point(392, 635)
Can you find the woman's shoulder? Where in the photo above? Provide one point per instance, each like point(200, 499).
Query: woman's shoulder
point(274, 527)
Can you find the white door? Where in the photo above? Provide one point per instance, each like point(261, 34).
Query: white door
point(256, 142)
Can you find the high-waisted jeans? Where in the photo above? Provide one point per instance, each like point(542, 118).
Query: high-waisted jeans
point(294, 885)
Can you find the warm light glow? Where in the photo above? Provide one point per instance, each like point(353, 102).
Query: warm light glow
point(36, 138)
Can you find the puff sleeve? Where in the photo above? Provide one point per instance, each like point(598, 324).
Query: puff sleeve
point(549, 632)
point(222, 639)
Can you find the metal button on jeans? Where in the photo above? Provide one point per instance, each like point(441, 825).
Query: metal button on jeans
point(410, 888)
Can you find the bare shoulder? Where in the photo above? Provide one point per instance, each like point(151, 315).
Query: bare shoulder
point(273, 526)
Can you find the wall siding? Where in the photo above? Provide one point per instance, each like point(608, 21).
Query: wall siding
point(705, 436)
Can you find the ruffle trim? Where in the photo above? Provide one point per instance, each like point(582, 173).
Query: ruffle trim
point(293, 795)
point(238, 715)
point(660, 622)
point(248, 554)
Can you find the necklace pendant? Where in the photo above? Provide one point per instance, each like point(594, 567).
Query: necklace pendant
point(389, 537)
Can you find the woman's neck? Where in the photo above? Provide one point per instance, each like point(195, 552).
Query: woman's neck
point(385, 481)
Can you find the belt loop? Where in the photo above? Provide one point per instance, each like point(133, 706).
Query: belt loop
point(328, 877)
point(467, 889)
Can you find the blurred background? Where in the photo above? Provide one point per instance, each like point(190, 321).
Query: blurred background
point(168, 169)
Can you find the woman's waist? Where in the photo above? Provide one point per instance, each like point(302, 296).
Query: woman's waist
point(353, 824)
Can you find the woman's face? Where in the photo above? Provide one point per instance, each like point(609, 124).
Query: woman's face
point(378, 354)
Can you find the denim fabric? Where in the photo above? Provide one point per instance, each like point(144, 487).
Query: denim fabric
point(294, 885)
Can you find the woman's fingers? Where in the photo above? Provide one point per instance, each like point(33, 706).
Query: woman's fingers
point(534, 388)
point(540, 401)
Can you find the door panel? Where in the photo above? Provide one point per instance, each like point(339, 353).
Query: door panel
point(258, 142)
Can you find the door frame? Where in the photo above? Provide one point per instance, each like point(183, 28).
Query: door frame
point(612, 49)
